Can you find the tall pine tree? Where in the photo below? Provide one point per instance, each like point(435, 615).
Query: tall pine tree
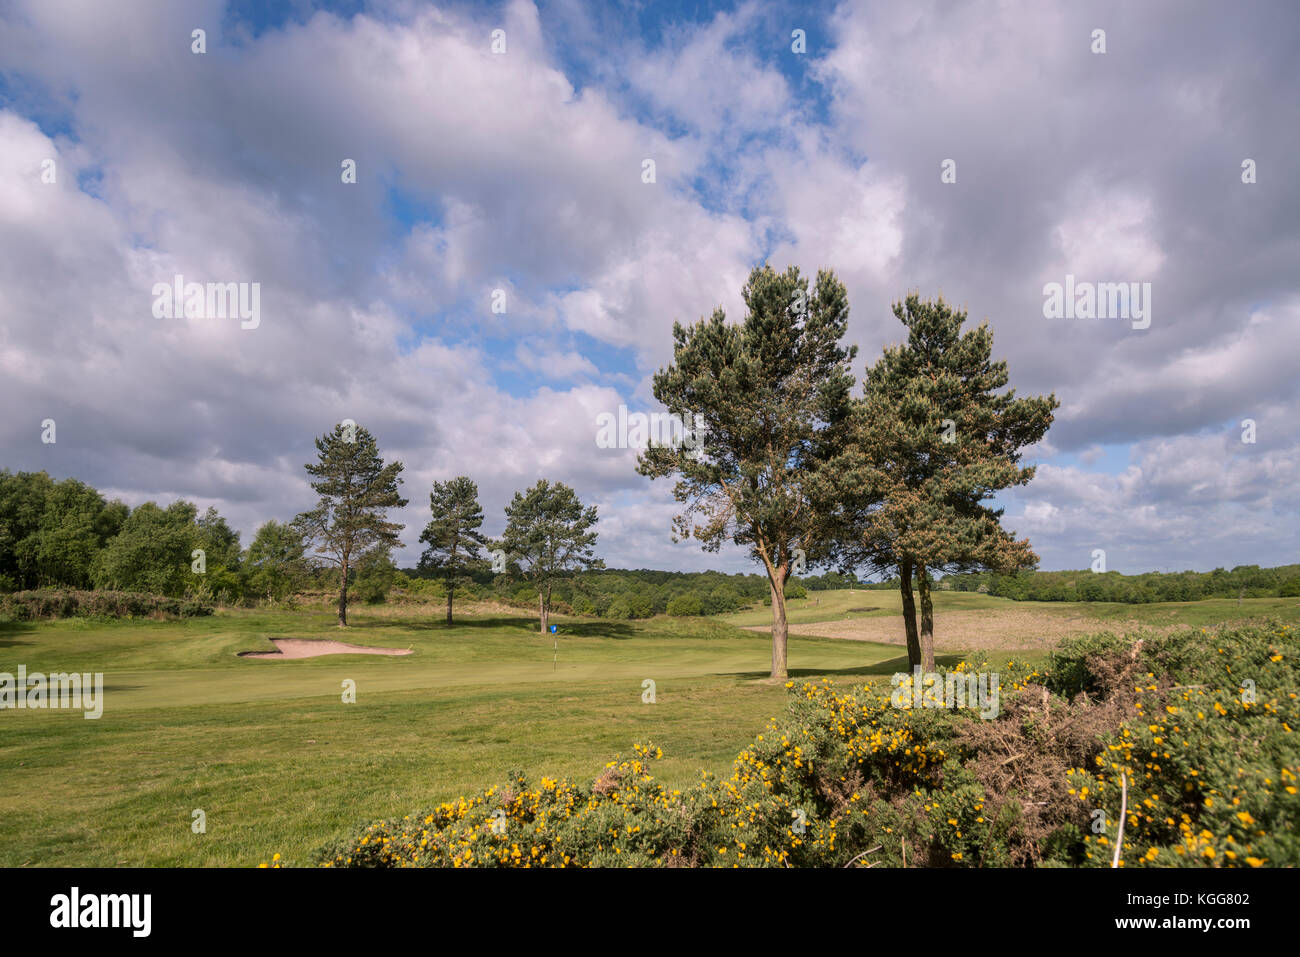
point(931, 440)
point(771, 391)
point(551, 535)
point(356, 490)
point(453, 534)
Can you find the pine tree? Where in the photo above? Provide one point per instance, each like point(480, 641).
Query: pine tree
point(453, 534)
point(929, 443)
point(770, 392)
point(549, 533)
point(356, 489)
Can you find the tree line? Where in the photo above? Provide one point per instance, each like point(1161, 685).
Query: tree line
point(1243, 581)
point(792, 466)
point(623, 594)
point(66, 534)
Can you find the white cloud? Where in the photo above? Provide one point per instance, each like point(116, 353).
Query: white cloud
point(225, 167)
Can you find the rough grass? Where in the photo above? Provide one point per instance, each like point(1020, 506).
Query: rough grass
point(968, 621)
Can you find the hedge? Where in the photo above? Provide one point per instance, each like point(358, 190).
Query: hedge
point(69, 603)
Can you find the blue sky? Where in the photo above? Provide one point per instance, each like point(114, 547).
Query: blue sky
point(521, 172)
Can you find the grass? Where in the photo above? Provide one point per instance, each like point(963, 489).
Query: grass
point(846, 603)
point(278, 763)
point(866, 603)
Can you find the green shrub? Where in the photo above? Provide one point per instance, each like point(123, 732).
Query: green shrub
point(684, 605)
point(1068, 666)
point(1208, 754)
point(618, 609)
point(375, 577)
point(426, 589)
point(640, 605)
point(68, 603)
point(721, 600)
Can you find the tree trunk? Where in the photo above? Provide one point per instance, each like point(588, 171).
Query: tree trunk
point(909, 612)
point(541, 608)
point(780, 628)
point(927, 617)
point(343, 596)
point(450, 589)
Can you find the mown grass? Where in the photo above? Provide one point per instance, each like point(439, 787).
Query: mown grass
point(278, 763)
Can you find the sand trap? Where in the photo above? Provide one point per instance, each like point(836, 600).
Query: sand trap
point(313, 648)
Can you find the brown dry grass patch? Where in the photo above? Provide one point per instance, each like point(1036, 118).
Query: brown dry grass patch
point(972, 630)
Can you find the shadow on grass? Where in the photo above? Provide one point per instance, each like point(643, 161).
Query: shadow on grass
point(573, 629)
point(439, 624)
point(881, 669)
point(11, 628)
point(597, 629)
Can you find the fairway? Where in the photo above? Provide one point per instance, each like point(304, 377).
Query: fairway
point(278, 763)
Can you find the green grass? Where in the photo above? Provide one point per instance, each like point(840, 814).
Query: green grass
point(278, 763)
point(844, 604)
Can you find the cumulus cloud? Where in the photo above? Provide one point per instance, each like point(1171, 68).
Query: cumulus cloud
point(522, 173)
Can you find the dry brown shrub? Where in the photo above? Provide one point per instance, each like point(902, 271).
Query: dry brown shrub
point(607, 782)
point(1025, 754)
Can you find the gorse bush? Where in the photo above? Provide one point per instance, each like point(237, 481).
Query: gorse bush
point(1073, 667)
point(847, 778)
point(1206, 764)
point(66, 603)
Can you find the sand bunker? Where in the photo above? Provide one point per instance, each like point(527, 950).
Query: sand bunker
point(313, 648)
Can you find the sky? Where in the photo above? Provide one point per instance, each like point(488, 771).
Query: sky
point(979, 152)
